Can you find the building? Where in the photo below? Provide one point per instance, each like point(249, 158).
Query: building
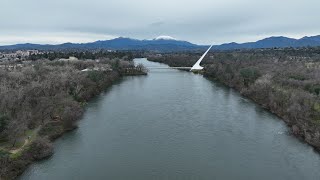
point(71, 58)
point(18, 54)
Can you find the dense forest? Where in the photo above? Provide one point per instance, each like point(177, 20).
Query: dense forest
point(285, 81)
point(42, 99)
point(52, 55)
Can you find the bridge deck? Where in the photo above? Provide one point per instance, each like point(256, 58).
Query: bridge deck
point(195, 67)
point(168, 67)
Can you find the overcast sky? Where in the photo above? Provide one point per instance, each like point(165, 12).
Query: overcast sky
point(198, 21)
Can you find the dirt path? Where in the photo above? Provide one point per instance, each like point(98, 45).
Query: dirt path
point(27, 140)
point(14, 151)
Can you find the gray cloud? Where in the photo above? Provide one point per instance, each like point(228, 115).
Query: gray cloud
point(199, 21)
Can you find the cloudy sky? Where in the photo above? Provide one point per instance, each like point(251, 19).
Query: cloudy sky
point(198, 21)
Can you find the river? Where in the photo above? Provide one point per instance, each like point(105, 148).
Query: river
point(176, 125)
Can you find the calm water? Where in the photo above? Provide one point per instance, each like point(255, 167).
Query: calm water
point(174, 125)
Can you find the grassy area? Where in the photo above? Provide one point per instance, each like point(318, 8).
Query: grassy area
point(15, 151)
point(32, 133)
point(15, 155)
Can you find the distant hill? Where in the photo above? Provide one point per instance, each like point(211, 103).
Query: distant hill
point(170, 44)
point(115, 44)
point(271, 42)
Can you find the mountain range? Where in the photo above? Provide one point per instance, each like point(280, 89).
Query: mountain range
point(272, 42)
point(167, 44)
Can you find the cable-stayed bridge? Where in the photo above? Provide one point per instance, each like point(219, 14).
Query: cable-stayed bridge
point(195, 67)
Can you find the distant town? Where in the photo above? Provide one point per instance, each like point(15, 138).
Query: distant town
point(18, 55)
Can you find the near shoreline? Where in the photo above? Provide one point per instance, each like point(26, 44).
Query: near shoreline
point(57, 93)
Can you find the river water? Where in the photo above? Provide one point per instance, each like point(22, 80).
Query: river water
point(175, 125)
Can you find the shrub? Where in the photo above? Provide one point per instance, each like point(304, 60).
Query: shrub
point(40, 148)
point(314, 89)
point(52, 130)
point(3, 122)
point(96, 76)
point(249, 75)
point(298, 77)
point(4, 154)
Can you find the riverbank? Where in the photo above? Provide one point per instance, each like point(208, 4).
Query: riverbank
point(176, 125)
point(285, 82)
point(303, 128)
point(42, 101)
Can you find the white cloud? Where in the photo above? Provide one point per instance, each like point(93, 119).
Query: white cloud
point(199, 21)
point(52, 38)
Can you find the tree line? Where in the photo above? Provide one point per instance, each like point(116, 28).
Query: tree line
point(97, 54)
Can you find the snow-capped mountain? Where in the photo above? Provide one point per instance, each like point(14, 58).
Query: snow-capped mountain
point(164, 38)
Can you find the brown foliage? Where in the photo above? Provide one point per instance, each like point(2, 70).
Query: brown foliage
point(38, 93)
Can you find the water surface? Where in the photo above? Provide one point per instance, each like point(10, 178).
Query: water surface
point(175, 125)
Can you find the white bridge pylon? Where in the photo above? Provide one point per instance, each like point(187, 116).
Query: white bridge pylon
point(197, 66)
